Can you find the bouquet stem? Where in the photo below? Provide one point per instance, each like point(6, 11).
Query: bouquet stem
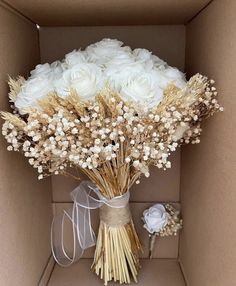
point(117, 249)
point(116, 255)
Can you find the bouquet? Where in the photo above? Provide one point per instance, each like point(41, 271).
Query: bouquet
point(110, 112)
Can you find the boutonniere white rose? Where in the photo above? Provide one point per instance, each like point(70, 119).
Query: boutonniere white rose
point(161, 220)
point(155, 218)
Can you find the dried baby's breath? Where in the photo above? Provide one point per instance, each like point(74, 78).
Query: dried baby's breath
point(174, 223)
point(110, 134)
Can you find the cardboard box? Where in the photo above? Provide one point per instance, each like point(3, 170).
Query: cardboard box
point(195, 36)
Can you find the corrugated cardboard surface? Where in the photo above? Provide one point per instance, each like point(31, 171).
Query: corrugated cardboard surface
point(168, 42)
point(25, 209)
point(55, 42)
point(208, 173)
point(155, 272)
point(112, 12)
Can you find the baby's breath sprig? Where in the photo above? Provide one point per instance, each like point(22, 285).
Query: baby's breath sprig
point(174, 223)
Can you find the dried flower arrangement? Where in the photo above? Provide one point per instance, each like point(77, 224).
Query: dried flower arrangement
point(161, 220)
point(111, 136)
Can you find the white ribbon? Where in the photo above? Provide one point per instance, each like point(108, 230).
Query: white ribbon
point(85, 197)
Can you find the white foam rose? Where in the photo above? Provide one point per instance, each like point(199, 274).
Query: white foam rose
point(57, 67)
point(120, 60)
point(143, 88)
point(176, 76)
point(158, 63)
point(75, 57)
point(169, 75)
point(155, 218)
point(117, 74)
point(105, 50)
point(41, 70)
point(47, 70)
point(86, 79)
point(161, 79)
point(144, 57)
point(61, 86)
point(33, 90)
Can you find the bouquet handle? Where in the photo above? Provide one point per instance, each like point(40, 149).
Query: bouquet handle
point(85, 197)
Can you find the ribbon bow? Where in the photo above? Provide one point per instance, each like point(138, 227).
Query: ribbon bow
point(85, 198)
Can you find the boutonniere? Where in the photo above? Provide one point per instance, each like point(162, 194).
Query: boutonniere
point(161, 220)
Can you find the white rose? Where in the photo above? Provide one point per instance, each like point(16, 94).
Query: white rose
point(143, 88)
point(161, 79)
point(105, 50)
point(75, 57)
point(117, 74)
point(120, 60)
point(57, 68)
point(86, 79)
point(145, 57)
point(41, 70)
point(176, 76)
point(33, 90)
point(142, 54)
point(169, 75)
point(155, 218)
point(158, 63)
point(61, 86)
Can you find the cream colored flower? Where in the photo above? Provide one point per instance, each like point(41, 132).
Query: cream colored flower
point(176, 76)
point(33, 90)
point(75, 57)
point(41, 70)
point(57, 68)
point(86, 79)
point(104, 51)
point(143, 88)
point(144, 57)
point(155, 218)
point(117, 75)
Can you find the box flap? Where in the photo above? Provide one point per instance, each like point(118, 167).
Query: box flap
point(112, 12)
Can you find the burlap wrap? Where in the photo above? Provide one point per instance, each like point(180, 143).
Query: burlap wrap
point(115, 217)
